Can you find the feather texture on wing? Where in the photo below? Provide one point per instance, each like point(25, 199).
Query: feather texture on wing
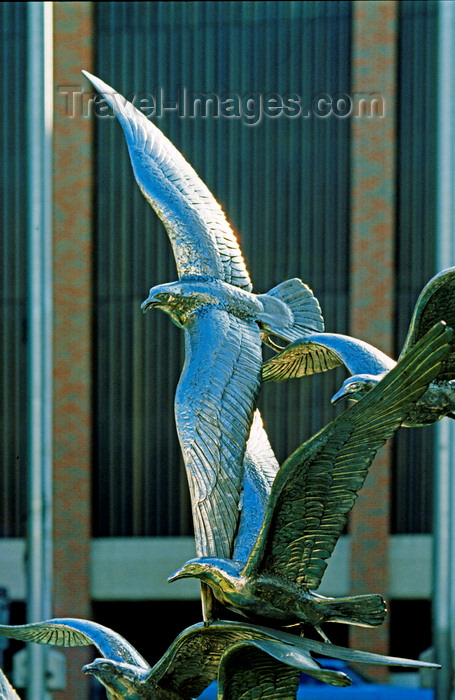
point(199, 653)
point(318, 484)
point(436, 302)
point(72, 632)
point(202, 239)
point(7, 691)
point(252, 664)
point(214, 405)
point(320, 352)
point(260, 469)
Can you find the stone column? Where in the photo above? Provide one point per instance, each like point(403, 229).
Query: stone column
point(73, 167)
point(372, 272)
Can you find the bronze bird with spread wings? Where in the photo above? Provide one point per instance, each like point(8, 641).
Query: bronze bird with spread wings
point(321, 351)
point(224, 323)
point(242, 657)
point(310, 499)
point(195, 658)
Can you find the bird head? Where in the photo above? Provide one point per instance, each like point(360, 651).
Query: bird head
point(207, 569)
point(120, 678)
point(179, 299)
point(355, 387)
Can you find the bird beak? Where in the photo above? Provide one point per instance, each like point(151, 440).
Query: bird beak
point(178, 574)
point(339, 396)
point(149, 303)
point(87, 668)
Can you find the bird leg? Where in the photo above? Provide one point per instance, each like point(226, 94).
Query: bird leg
point(323, 634)
point(209, 604)
point(271, 343)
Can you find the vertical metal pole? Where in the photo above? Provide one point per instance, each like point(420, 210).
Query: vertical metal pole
point(39, 212)
point(444, 504)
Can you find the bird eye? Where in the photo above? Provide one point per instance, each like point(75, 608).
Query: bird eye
point(105, 666)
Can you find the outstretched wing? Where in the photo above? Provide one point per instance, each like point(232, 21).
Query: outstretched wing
point(191, 662)
point(202, 239)
point(317, 485)
point(250, 665)
point(72, 632)
point(193, 659)
point(436, 302)
point(214, 406)
point(322, 351)
point(272, 668)
point(7, 691)
point(260, 469)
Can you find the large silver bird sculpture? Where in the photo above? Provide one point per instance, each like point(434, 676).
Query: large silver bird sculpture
point(310, 499)
point(224, 323)
point(199, 655)
point(321, 351)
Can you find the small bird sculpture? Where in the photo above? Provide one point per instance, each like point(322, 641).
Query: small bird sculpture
point(224, 324)
point(7, 691)
point(321, 351)
point(193, 660)
point(310, 499)
point(200, 654)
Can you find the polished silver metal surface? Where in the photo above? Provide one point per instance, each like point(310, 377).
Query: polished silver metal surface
point(310, 500)
point(194, 659)
point(367, 364)
point(223, 322)
point(7, 691)
point(200, 654)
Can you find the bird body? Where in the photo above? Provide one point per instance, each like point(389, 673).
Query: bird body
point(245, 658)
point(437, 402)
point(321, 351)
point(188, 295)
point(280, 599)
point(274, 316)
point(310, 499)
point(195, 658)
point(125, 681)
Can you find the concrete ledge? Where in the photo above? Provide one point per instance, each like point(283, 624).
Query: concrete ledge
point(410, 566)
point(336, 576)
point(12, 567)
point(136, 568)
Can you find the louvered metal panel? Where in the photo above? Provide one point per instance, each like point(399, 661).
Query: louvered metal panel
point(412, 503)
point(13, 360)
point(284, 185)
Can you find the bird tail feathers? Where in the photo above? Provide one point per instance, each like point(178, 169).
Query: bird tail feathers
point(362, 610)
point(301, 316)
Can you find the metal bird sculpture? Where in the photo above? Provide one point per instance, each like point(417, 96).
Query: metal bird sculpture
point(192, 661)
point(199, 655)
point(7, 691)
point(311, 497)
point(223, 322)
point(321, 351)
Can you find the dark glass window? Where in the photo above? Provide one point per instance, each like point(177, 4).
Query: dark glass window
point(13, 277)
